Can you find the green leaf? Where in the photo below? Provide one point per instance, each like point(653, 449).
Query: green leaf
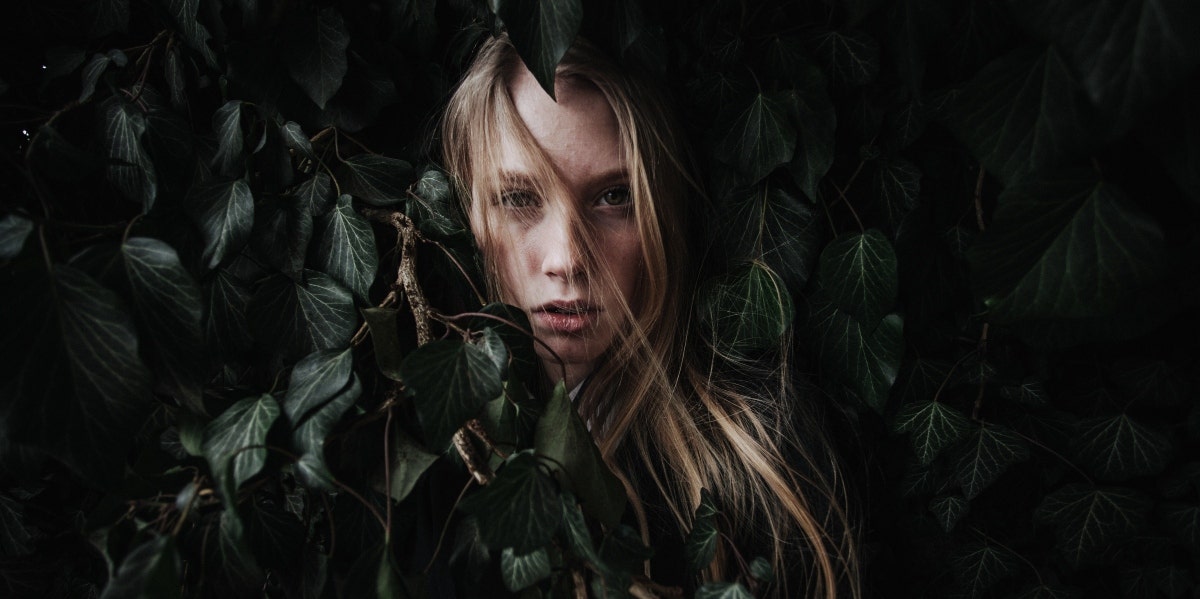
point(225, 325)
point(432, 206)
point(1119, 448)
point(989, 450)
point(1030, 393)
point(563, 440)
point(542, 32)
point(1150, 382)
point(173, 73)
point(1090, 520)
point(227, 125)
point(897, 185)
point(521, 571)
point(95, 68)
point(309, 437)
point(450, 381)
point(16, 533)
point(346, 248)
point(295, 139)
point(748, 310)
point(129, 167)
point(1184, 522)
point(769, 223)
point(14, 230)
point(1070, 246)
point(519, 509)
point(933, 427)
point(859, 273)
point(761, 138)
point(224, 211)
point(760, 570)
point(1046, 591)
point(623, 549)
point(109, 16)
point(182, 14)
point(575, 529)
point(979, 566)
point(409, 462)
point(376, 180)
point(949, 510)
point(316, 54)
point(314, 380)
point(851, 58)
point(1020, 114)
point(700, 546)
point(169, 307)
point(151, 570)
point(866, 358)
point(723, 590)
point(295, 318)
point(282, 232)
point(315, 194)
point(71, 373)
point(235, 442)
point(385, 340)
point(815, 120)
point(1127, 54)
point(515, 330)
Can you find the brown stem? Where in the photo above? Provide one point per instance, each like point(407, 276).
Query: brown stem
point(476, 428)
point(475, 463)
point(979, 199)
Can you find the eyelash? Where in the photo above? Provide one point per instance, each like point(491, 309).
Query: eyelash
point(626, 200)
point(524, 198)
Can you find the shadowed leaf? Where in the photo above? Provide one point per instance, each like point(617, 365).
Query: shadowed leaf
point(989, 450)
point(1089, 520)
point(521, 571)
point(949, 510)
point(150, 570)
point(761, 138)
point(773, 225)
point(316, 54)
point(849, 57)
point(933, 427)
point(542, 31)
point(296, 318)
point(129, 167)
point(235, 442)
point(978, 567)
point(376, 180)
point(224, 211)
point(450, 381)
point(1119, 447)
point(227, 126)
point(748, 310)
point(314, 380)
point(519, 509)
point(858, 272)
point(309, 437)
point(867, 358)
point(563, 440)
point(182, 14)
point(409, 462)
point(346, 248)
point(723, 590)
point(14, 230)
point(700, 546)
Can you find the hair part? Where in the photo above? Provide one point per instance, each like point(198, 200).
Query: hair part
point(665, 396)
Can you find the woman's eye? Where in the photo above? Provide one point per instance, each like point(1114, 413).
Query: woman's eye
point(519, 199)
point(617, 196)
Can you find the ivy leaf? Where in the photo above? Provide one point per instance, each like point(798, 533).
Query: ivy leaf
point(1091, 519)
point(409, 462)
point(1119, 447)
point(316, 54)
point(1030, 393)
point(309, 437)
point(858, 271)
point(761, 138)
point(1151, 382)
point(949, 510)
point(282, 233)
point(1020, 114)
point(150, 570)
point(897, 184)
point(519, 509)
point(542, 32)
point(346, 249)
point(376, 180)
point(374, 575)
point(1127, 54)
point(16, 533)
point(723, 590)
point(748, 310)
point(575, 529)
point(979, 566)
point(169, 307)
point(129, 167)
point(450, 381)
point(773, 225)
point(95, 68)
point(385, 340)
point(314, 380)
point(227, 125)
point(432, 206)
point(1046, 591)
point(522, 571)
point(315, 194)
point(224, 211)
point(295, 139)
point(71, 372)
point(867, 358)
point(109, 16)
point(14, 230)
point(815, 120)
point(1184, 522)
point(225, 325)
point(1070, 246)
point(182, 14)
point(700, 546)
point(295, 318)
point(235, 442)
point(173, 73)
point(933, 426)
point(989, 450)
point(850, 57)
point(563, 440)
point(623, 549)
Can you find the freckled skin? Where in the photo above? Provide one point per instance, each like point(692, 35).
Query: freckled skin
point(538, 254)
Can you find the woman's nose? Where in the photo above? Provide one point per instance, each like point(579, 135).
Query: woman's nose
point(560, 252)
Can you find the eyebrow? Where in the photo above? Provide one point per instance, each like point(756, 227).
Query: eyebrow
point(522, 179)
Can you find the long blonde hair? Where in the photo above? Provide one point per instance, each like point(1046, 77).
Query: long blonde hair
point(664, 395)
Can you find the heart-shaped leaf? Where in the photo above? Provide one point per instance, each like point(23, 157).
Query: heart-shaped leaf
point(316, 54)
point(224, 211)
point(520, 509)
point(450, 381)
point(542, 32)
point(346, 248)
point(858, 271)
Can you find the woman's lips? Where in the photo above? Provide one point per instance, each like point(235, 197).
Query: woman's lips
point(565, 318)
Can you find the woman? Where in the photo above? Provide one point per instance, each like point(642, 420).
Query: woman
point(580, 207)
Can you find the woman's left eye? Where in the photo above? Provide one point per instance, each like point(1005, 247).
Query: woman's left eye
point(617, 196)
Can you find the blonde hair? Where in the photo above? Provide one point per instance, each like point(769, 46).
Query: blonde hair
point(664, 394)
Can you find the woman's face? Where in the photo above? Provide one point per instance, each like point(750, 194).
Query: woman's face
point(537, 244)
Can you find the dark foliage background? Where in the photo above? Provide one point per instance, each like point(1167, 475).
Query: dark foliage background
point(238, 316)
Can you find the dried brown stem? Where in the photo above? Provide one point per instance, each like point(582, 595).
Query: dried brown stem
point(476, 464)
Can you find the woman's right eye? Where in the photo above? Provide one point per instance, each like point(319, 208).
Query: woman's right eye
point(519, 199)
